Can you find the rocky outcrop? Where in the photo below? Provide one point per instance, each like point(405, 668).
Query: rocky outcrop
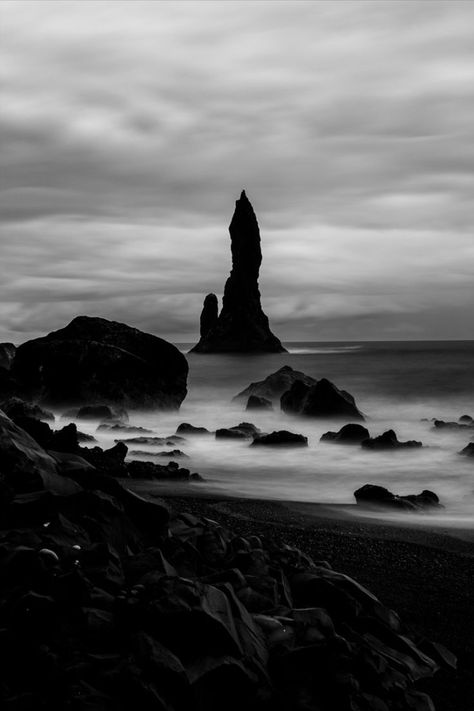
point(209, 315)
point(281, 438)
point(275, 384)
point(186, 429)
point(373, 496)
point(258, 403)
point(95, 360)
point(7, 354)
point(245, 430)
point(15, 407)
point(463, 424)
point(468, 450)
point(323, 399)
point(389, 440)
point(242, 326)
point(349, 434)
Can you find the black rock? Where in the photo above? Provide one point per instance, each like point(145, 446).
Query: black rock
point(186, 428)
point(83, 437)
point(150, 470)
point(104, 413)
point(323, 399)
point(466, 419)
point(7, 354)
point(95, 360)
point(231, 433)
point(258, 403)
point(172, 453)
point(281, 438)
point(123, 427)
point(153, 441)
point(464, 425)
point(275, 384)
point(349, 434)
point(109, 461)
point(468, 450)
point(372, 495)
point(242, 325)
point(389, 440)
point(209, 315)
point(15, 407)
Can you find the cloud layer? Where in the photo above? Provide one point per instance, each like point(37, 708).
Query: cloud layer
point(129, 128)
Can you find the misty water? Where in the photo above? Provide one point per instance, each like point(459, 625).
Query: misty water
point(394, 384)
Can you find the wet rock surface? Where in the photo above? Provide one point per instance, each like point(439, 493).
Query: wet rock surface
point(389, 440)
point(95, 360)
point(371, 495)
point(241, 325)
point(275, 384)
point(323, 399)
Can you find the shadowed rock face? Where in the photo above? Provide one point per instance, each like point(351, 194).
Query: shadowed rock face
point(242, 326)
point(209, 315)
point(100, 361)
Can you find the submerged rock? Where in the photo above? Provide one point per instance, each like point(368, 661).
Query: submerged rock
point(258, 403)
point(464, 425)
point(95, 360)
point(282, 437)
point(377, 496)
point(275, 384)
point(172, 453)
point(242, 326)
point(349, 434)
point(389, 440)
point(323, 399)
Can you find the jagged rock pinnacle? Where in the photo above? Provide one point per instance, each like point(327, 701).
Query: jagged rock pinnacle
point(242, 325)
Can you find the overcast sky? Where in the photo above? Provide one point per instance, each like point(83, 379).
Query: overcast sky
point(130, 128)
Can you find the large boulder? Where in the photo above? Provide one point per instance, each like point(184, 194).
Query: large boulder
point(373, 496)
point(95, 360)
point(323, 400)
point(242, 326)
point(389, 440)
point(25, 465)
point(281, 438)
point(275, 384)
point(349, 434)
point(15, 407)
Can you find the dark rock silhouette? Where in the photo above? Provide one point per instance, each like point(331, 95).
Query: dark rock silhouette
point(275, 384)
point(7, 354)
point(389, 440)
point(461, 425)
point(245, 430)
point(15, 407)
point(95, 360)
point(258, 403)
point(349, 434)
point(468, 450)
point(186, 428)
point(466, 419)
point(371, 495)
point(209, 314)
point(242, 326)
point(323, 399)
point(282, 437)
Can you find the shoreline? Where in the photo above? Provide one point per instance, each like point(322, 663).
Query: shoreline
point(424, 573)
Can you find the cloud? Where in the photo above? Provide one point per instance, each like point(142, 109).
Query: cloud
point(130, 127)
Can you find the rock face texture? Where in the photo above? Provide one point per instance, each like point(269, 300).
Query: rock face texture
point(275, 384)
point(93, 360)
point(321, 400)
point(242, 326)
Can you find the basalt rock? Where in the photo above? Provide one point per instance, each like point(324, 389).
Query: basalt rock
point(258, 403)
point(95, 360)
point(349, 434)
point(389, 440)
point(371, 495)
point(242, 326)
point(275, 384)
point(323, 400)
point(209, 315)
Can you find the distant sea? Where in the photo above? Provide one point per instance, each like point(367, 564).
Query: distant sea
point(396, 385)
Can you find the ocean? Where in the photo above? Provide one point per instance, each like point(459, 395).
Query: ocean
point(395, 384)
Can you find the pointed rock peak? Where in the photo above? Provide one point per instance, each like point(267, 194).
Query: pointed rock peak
point(243, 196)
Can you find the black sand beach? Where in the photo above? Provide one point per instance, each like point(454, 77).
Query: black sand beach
point(424, 573)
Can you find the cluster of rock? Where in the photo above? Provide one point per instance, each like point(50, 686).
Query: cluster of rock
point(373, 496)
point(95, 360)
point(109, 601)
point(463, 424)
point(241, 326)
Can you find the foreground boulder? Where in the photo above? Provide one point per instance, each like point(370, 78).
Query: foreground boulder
point(242, 326)
point(371, 495)
point(15, 407)
point(275, 384)
point(282, 437)
point(389, 440)
point(349, 434)
point(323, 399)
point(95, 360)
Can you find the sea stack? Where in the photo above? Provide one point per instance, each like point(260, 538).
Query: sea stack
point(242, 326)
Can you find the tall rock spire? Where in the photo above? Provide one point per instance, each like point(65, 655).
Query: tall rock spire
point(242, 326)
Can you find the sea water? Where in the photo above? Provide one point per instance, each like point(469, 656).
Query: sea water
point(397, 385)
